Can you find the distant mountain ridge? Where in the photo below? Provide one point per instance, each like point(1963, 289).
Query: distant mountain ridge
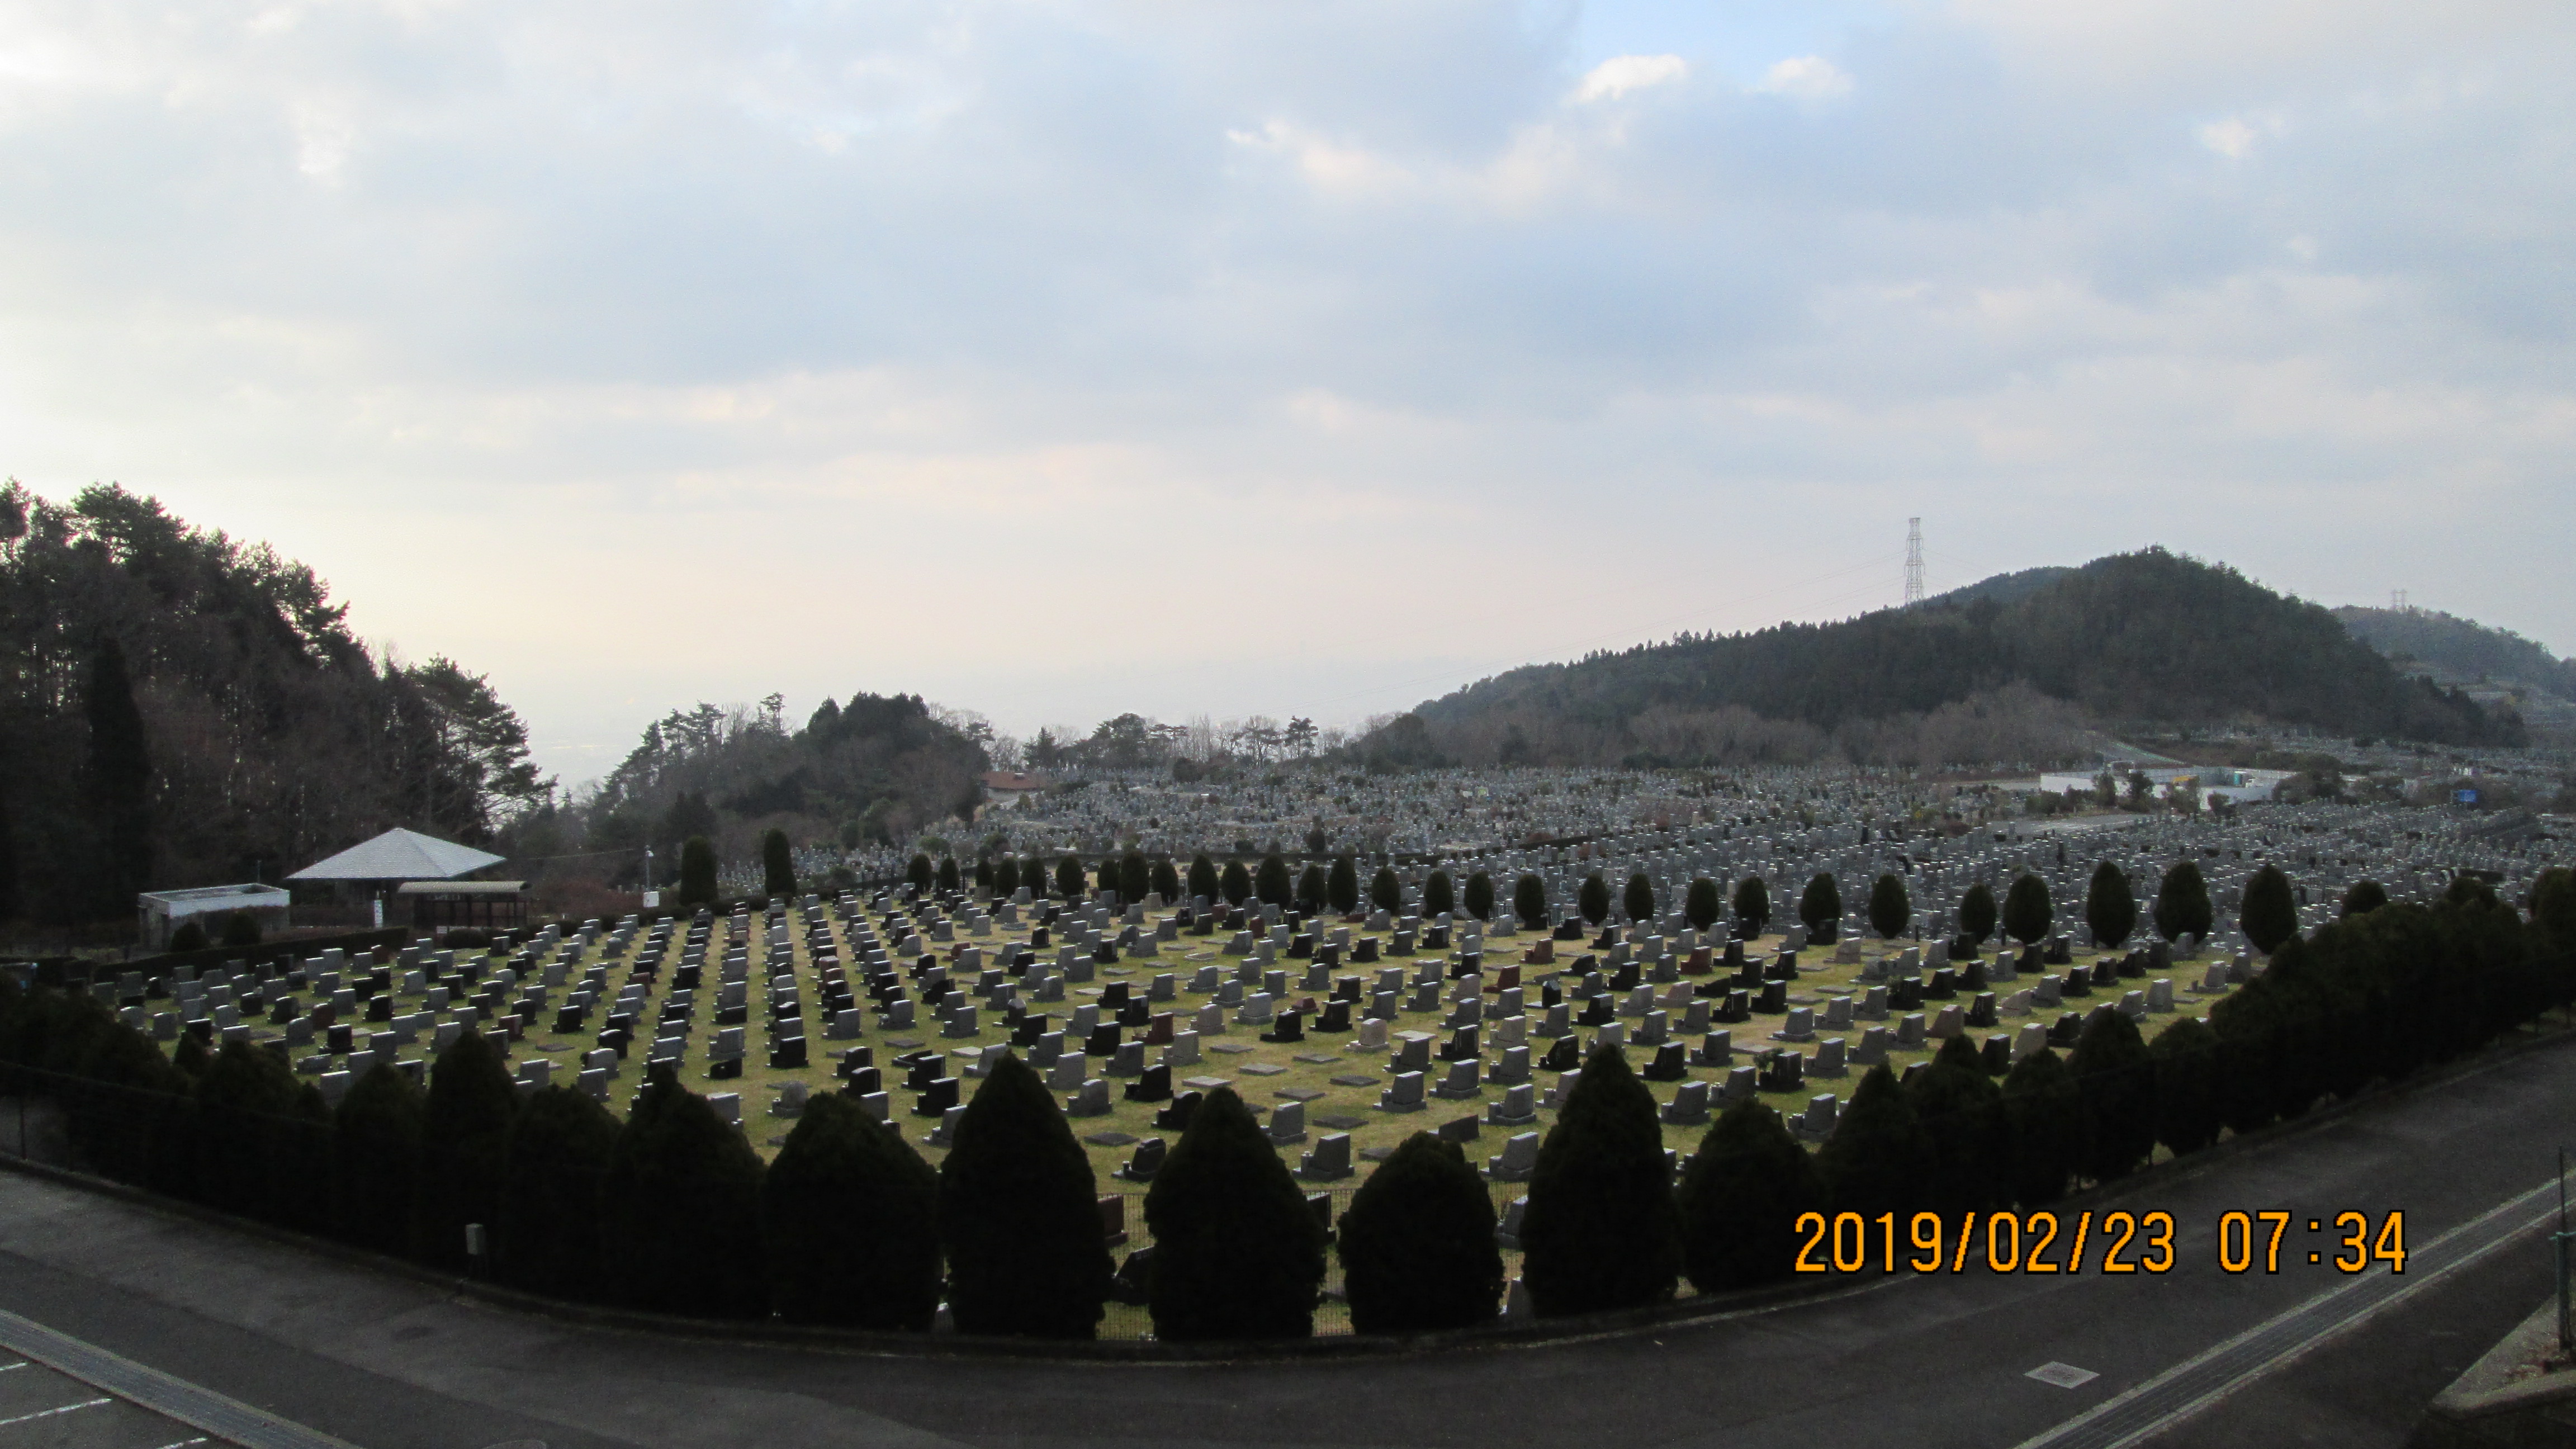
point(2146, 636)
point(2461, 648)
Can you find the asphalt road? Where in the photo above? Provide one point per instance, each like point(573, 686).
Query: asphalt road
point(384, 1362)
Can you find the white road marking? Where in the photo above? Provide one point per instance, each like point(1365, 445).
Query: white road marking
point(49, 1413)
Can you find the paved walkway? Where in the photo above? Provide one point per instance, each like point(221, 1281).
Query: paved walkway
point(383, 1362)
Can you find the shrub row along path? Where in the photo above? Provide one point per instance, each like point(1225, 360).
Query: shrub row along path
point(384, 1362)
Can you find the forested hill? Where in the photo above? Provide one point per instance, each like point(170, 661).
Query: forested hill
point(2462, 648)
point(2140, 636)
point(179, 708)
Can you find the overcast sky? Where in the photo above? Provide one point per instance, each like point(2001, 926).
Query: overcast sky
point(1055, 360)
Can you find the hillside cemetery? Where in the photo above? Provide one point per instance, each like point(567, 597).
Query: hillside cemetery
point(1349, 1032)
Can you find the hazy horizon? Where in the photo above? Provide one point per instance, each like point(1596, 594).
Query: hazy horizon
point(1055, 361)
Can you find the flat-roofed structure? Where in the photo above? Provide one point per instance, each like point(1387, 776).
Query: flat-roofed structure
point(158, 913)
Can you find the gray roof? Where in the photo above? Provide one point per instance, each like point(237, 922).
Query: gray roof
point(400, 855)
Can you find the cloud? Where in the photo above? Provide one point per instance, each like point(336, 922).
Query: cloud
point(1805, 78)
point(1619, 75)
point(919, 325)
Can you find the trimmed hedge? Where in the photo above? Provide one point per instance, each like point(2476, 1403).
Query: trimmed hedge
point(555, 1156)
point(1740, 1199)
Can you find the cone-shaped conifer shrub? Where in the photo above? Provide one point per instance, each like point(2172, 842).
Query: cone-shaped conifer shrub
point(2047, 1127)
point(463, 1146)
point(1439, 895)
point(244, 1110)
point(1890, 908)
point(1977, 913)
point(1601, 1231)
point(1237, 1255)
point(556, 1156)
point(1961, 1112)
point(1417, 1245)
point(375, 1169)
point(2270, 915)
point(851, 1215)
point(2182, 903)
point(1700, 904)
point(2115, 1079)
point(1019, 1218)
point(1877, 1160)
point(2027, 911)
point(2110, 907)
point(1741, 1196)
point(680, 1220)
point(2186, 1061)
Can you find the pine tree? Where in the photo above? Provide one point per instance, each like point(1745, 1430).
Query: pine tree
point(1878, 1158)
point(1480, 896)
point(2047, 1127)
point(1637, 901)
point(1271, 881)
point(117, 787)
point(1891, 910)
point(850, 1213)
point(2115, 1080)
point(1135, 878)
point(1203, 877)
point(2363, 897)
point(1166, 881)
point(1700, 904)
point(947, 879)
point(555, 1160)
point(1237, 1255)
point(1601, 1230)
point(1238, 883)
point(1342, 886)
point(1311, 886)
point(1821, 906)
point(1977, 913)
point(1018, 1215)
point(1740, 1199)
point(1753, 904)
point(1417, 1243)
point(1006, 877)
point(377, 1161)
point(2110, 908)
point(918, 872)
point(983, 872)
point(2186, 1062)
point(1962, 1115)
point(1529, 900)
point(1439, 896)
point(680, 1221)
point(778, 865)
point(697, 872)
point(2182, 903)
point(2027, 912)
point(2270, 915)
point(463, 1147)
point(1068, 877)
point(1386, 893)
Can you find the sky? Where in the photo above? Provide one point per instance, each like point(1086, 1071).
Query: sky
point(1056, 360)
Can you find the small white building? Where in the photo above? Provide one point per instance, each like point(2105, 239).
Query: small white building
point(158, 913)
point(2238, 786)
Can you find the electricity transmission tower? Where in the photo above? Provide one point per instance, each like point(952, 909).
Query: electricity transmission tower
point(2397, 600)
point(1914, 560)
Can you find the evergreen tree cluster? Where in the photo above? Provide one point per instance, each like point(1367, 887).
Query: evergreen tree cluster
point(671, 1210)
